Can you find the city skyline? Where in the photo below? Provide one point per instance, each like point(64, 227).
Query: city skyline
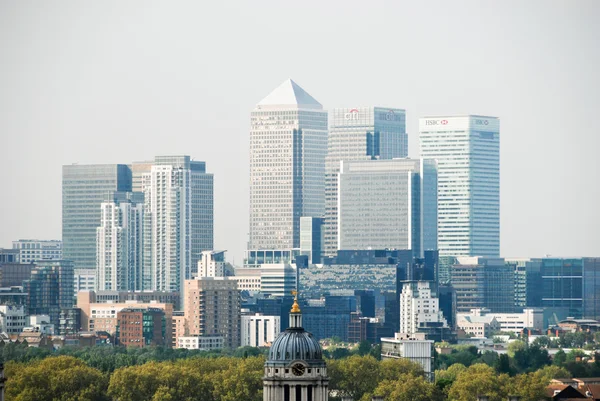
point(87, 108)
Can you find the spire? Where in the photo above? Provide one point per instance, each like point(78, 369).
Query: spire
point(295, 313)
point(295, 306)
point(289, 94)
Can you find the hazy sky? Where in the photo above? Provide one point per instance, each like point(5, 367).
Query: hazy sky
point(118, 81)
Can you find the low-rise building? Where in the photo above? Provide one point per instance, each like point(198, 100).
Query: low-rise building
point(477, 326)
point(259, 330)
point(141, 327)
point(31, 250)
point(530, 318)
point(13, 318)
point(40, 324)
point(178, 327)
point(203, 343)
point(413, 347)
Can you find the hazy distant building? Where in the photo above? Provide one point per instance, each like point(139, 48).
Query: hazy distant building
point(119, 242)
point(31, 250)
point(467, 150)
point(388, 204)
point(364, 133)
point(84, 188)
point(288, 145)
point(178, 220)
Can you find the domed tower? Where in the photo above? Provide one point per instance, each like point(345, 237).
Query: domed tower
point(295, 370)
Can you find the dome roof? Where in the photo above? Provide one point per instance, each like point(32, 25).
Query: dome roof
point(295, 343)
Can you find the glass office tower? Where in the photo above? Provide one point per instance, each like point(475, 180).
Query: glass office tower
point(288, 145)
point(364, 133)
point(388, 204)
point(467, 149)
point(84, 188)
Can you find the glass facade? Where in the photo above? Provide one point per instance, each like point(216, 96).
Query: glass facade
point(483, 283)
point(591, 288)
point(288, 144)
point(467, 150)
point(84, 188)
point(364, 133)
point(382, 205)
point(50, 289)
point(311, 238)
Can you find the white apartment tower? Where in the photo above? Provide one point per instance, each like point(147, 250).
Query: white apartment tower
point(467, 149)
point(357, 134)
point(119, 242)
point(178, 220)
point(212, 264)
point(419, 304)
point(288, 145)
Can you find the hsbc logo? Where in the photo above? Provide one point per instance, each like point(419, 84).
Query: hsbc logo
point(436, 122)
point(351, 115)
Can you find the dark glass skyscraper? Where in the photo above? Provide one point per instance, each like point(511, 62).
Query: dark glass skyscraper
point(84, 188)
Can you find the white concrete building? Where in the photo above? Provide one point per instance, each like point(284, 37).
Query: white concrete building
point(178, 221)
point(40, 324)
point(277, 279)
point(212, 264)
point(119, 243)
point(13, 318)
point(288, 145)
point(413, 347)
point(202, 343)
point(477, 326)
point(248, 279)
point(467, 149)
point(530, 318)
point(32, 250)
point(418, 304)
point(259, 330)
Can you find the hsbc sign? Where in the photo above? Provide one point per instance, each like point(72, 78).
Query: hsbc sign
point(436, 122)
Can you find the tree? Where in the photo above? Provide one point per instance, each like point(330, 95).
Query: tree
point(560, 358)
point(503, 364)
point(479, 379)
point(354, 376)
point(364, 347)
point(55, 378)
point(392, 369)
point(407, 387)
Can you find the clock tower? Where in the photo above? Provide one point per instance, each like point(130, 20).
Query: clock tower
point(295, 370)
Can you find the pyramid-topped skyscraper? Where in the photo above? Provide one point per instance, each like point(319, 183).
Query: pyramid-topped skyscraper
point(288, 145)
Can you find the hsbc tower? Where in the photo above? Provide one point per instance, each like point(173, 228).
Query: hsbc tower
point(467, 149)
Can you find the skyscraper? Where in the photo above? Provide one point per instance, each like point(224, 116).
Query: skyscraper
point(178, 220)
point(288, 145)
point(364, 133)
point(388, 204)
point(467, 149)
point(84, 188)
point(120, 242)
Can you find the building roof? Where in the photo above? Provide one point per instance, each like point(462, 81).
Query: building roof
point(291, 94)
